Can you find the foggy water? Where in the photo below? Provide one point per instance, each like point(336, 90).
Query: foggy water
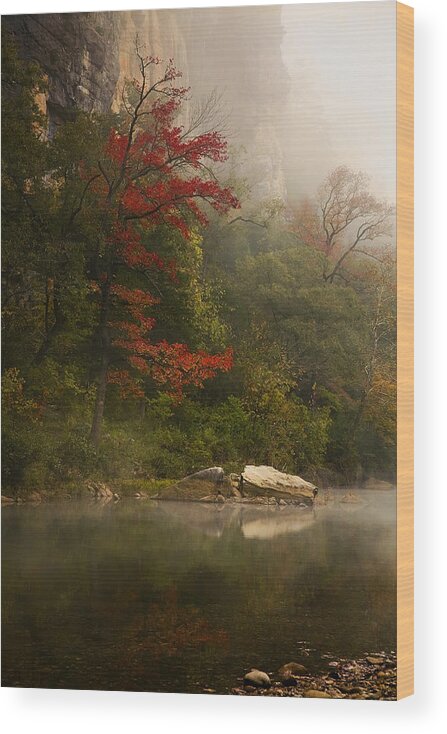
point(178, 597)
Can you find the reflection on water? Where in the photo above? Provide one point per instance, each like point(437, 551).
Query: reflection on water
point(177, 597)
point(253, 522)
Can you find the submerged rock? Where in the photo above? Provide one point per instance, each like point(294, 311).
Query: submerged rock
point(257, 678)
point(350, 498)
point(269, 482)
point(205, 486)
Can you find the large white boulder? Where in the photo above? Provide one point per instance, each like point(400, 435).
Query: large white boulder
point(266, 480)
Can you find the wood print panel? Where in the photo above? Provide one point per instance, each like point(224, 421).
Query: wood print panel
point(405, 358)
point(207, 350)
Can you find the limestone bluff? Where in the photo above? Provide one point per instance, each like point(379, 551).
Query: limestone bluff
point(87, 56)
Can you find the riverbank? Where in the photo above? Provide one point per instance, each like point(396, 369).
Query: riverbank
point(125, 488)
point(372, 677)
point(142, 489)
point(185, 488)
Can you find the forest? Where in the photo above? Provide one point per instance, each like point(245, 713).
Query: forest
point(158, 320)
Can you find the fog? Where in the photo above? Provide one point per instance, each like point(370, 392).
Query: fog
point(341, 107)
point(306, 88)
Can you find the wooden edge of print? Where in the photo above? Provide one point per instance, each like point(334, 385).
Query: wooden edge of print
point(405, 351)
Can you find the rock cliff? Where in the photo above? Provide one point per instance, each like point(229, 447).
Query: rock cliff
point(87, 56)
point(79, 55)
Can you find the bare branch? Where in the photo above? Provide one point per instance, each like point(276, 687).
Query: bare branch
point(345, 202)
point(248, 221)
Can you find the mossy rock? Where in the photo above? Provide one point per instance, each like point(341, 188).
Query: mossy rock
point(198, 486)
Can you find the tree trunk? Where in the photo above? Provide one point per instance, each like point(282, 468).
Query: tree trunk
point(104, 346)
point(95, 433)
point(359, 412)
point(58, 324)
point(370, 367)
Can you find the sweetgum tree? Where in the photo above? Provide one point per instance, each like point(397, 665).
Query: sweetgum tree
point(154, 172)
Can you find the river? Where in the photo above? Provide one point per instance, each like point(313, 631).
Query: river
point(149, 596)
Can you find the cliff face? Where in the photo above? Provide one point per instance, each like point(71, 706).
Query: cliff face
point(158, 33)
point(237, 51)
point(79, 55)
point(87, 57)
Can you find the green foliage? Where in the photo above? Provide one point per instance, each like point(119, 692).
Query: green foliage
point(312, 389)
point(149, 487)
point(20, 417)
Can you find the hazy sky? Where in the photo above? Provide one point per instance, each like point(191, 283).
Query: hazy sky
point(341, 60)
point(334, 105)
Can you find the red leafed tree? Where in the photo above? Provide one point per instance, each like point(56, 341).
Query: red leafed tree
point(154, 171)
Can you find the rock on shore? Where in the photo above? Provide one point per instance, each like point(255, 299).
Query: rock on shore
point(289, 673)
point(206, 485)
point(8, 500)
point(257, 484)
point(257, 679)
point(270, 482)
point(100, 492)
point(371, 677)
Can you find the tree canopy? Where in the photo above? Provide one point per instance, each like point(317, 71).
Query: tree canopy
point(156, 320)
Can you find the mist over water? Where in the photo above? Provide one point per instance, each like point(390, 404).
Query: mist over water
point(178, 597)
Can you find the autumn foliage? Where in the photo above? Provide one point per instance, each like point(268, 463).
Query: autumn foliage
point(113, 286)
point(154, 172)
